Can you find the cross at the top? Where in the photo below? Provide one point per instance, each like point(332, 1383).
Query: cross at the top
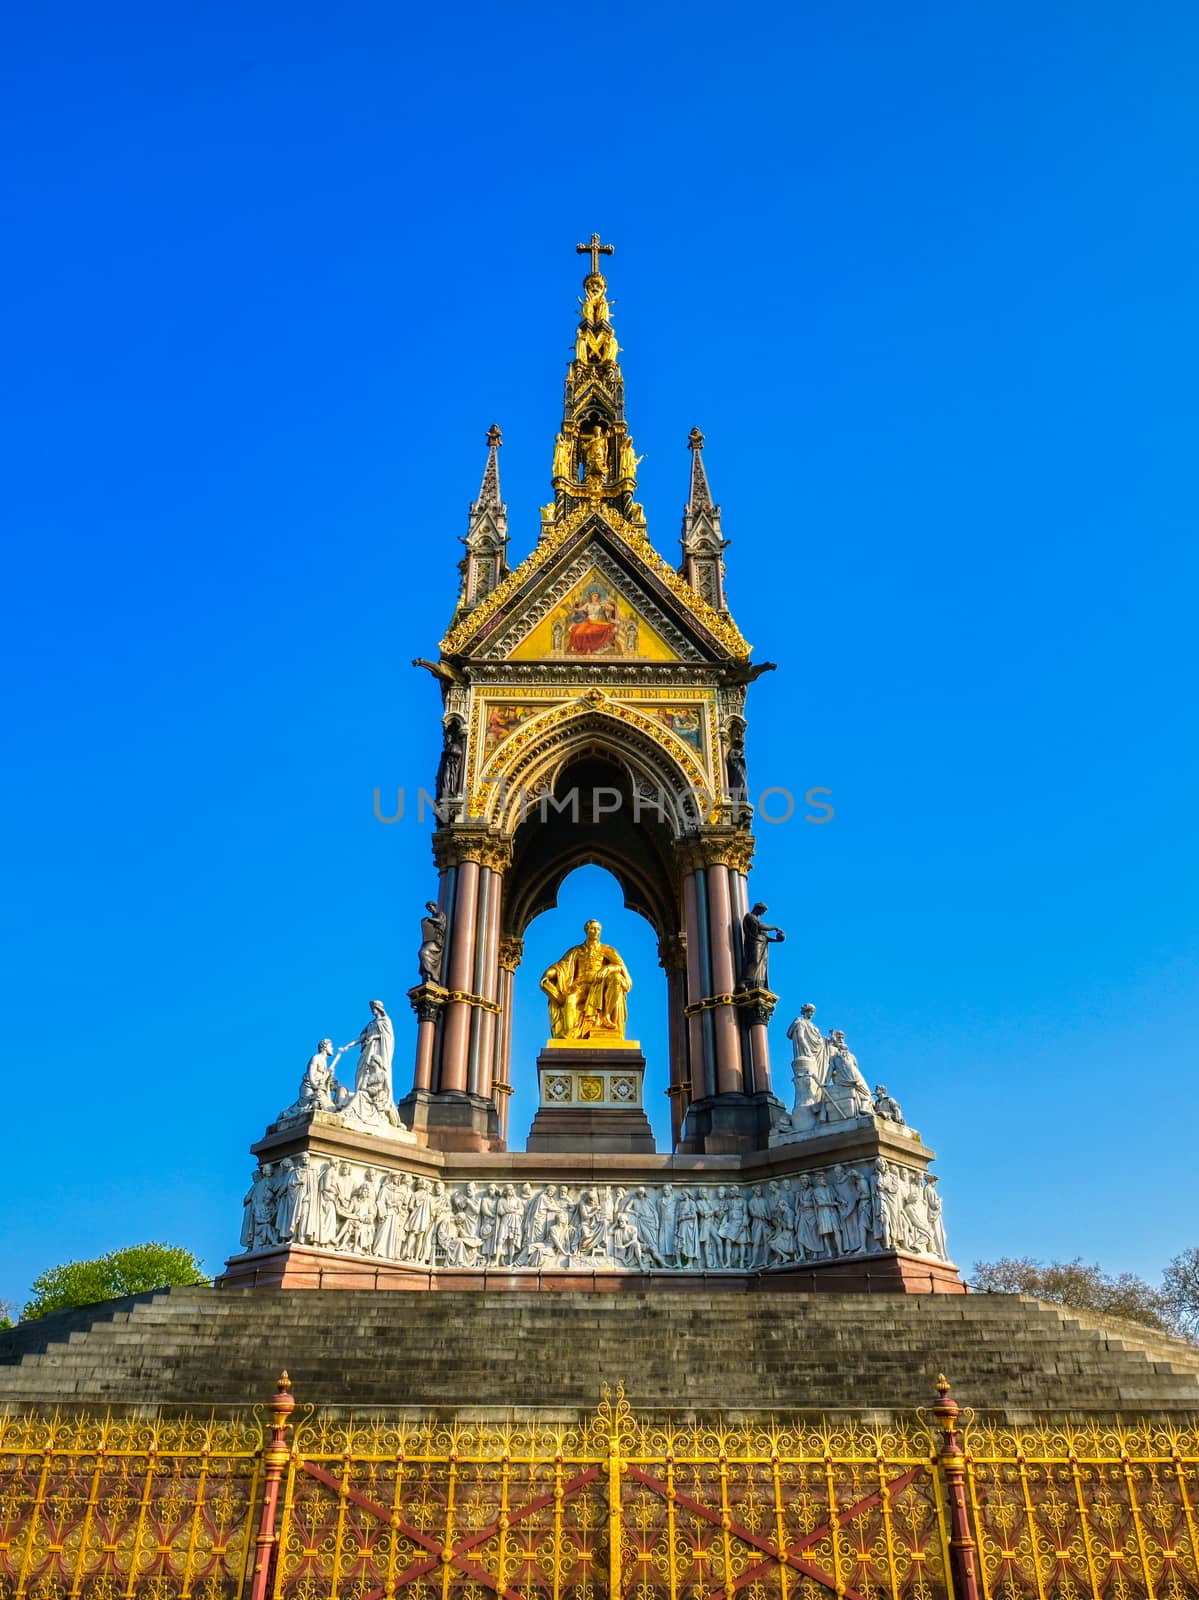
point(596, 250)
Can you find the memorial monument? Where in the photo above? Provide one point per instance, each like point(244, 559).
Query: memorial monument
point(593, 710)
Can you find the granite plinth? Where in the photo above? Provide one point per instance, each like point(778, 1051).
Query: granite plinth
point(591, 1100)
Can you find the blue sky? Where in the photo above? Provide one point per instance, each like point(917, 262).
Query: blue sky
point(923, 275)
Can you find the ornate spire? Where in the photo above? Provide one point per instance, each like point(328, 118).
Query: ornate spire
point(486, 560)
point(703, 544)
point(489, 489)
point(701, 495)
point(594, 458)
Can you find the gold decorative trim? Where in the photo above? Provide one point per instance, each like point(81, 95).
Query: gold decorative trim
point(742, 999)
point(461, 997)
point(709, 1004)
point(719, 626)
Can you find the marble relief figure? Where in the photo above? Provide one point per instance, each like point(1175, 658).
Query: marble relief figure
point(846, 1210)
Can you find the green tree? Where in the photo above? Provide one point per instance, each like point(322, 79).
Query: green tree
point(7, 1307)
point(1075, 1283)
point(1180, 1283)
point(129, 1271)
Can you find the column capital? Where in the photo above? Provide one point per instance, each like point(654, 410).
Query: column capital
point(486, 846)
point(725, 847)
point(512, 950)
point(672, 952)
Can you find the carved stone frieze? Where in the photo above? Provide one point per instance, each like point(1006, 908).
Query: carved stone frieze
point(829, 1213)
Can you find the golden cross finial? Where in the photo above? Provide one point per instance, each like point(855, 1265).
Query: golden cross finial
point(595, 249)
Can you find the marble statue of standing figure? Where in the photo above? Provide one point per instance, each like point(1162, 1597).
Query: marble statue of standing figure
point(432, 943)
point(258, 1229)
point(756, 938)
point(687, 1227)
point(373, 1102)
point(936, 1221)
point(760, 1218)
point(306, 1226)
point(642, 1210)
point(335, 1190)
point(780, 1244)
point(890, 1207)
point(807, 1234)
point(666, 1224)
point(828, 1215)
point(808, 1066)
point(288, 1190)
point(418, 1232)
point(846, 1093)
point(850, 1189)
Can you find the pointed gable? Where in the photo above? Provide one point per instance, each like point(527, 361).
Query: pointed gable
point(597, 562)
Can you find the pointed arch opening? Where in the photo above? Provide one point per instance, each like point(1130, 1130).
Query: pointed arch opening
point(590, 890)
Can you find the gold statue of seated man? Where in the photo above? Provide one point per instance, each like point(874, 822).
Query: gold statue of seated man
point(587, 989)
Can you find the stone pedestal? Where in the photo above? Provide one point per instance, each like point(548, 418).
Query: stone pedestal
point(334, 1206)
point(725, 1124)
point(591, 1099)
point(452, 1121)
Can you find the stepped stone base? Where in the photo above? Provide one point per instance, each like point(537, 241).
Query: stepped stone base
point(684, 1350)
point(296, 1267)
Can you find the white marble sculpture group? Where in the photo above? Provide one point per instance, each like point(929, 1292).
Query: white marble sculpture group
point(850, 1209)
point(370, 1105)
point(845, 1209)
point(829, 1086)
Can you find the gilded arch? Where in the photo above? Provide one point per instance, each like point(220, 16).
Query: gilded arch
point(664, 775)
point(569, 829)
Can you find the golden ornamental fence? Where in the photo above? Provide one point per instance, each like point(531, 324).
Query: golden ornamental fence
point(612, 1505)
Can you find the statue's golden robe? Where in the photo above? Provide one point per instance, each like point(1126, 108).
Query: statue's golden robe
point(587, 990)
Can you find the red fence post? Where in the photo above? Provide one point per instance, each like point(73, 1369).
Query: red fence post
point(963, 1552)
point(275, 1457)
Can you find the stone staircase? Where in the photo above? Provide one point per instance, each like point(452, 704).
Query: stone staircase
point(672, 1348)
